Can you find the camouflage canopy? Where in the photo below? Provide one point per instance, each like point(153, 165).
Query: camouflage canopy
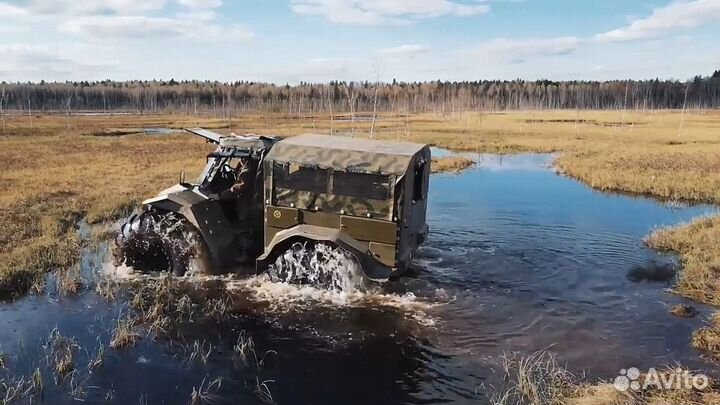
point(246, 142)
point(347, 154)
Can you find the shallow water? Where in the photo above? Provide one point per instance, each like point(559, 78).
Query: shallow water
point(518, 260)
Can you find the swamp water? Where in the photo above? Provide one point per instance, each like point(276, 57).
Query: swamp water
point(518, 260)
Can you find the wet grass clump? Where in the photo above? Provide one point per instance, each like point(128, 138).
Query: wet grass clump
point(125, 334)
point(538, 379)
point(451, 164)
point(707, 339)
point(684, 311)
point(698, 244)
point(61, 353)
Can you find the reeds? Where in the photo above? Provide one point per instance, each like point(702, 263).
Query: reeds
point(23, 389)
point(262, 390)
point(68, 281)
point(61, 353)
point(537, 379)
point(206, 392)
point(124, 334)
point(198, 352)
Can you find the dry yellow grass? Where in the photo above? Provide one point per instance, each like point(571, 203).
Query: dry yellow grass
point(707, 339)
point(698, 244)
point(98, 168)
point(452, 164)
point(538, 379)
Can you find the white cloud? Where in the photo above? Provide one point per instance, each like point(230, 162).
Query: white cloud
point(676, 15)
point(201, 3)
point(92, 7)
point(518, 51)
point(102, 26)
point(8, 10)
point(39, 62)
point(371, 12)
point(405, 50)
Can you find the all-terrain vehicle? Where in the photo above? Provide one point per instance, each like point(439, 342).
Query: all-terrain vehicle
point(262, 198)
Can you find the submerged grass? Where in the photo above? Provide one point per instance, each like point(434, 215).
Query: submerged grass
point(124, 335)
point(61, 353)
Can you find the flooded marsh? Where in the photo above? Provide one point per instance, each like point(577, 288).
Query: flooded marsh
point(522, 260)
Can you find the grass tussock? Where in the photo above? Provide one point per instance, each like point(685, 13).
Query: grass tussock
point(451, 164)
point(124, 335)
point(707, 339)
point(684, 311)
point(538, 379)
point(206, 393)
point(68, 281)
point(106, 288)
point(61, 353)
point(698, 244)
point(23, 389)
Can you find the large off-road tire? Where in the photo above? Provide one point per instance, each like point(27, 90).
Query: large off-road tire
point(156, 241)
point(320, 264)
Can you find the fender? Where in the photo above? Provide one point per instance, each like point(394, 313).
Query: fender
point(203, 213)
point(283, 240)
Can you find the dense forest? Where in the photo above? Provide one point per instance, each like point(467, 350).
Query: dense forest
point(192, 97)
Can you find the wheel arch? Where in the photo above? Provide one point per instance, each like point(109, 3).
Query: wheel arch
point(285, 239)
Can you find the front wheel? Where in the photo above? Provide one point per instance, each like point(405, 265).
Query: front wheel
point(156, 241)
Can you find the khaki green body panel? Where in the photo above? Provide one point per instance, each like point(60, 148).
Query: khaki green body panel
point(319, 218)
point(281, 217)
point(385, 254)
point(367, 232)
point(370, 230)
point(210, 220)
point(270, 233)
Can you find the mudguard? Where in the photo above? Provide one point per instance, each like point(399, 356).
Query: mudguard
point(283, 240)
point(204, 214)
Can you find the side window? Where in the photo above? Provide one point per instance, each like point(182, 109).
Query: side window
point(361, 185)
point(419, 182)
point(300, 178)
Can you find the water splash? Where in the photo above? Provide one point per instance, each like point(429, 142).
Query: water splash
point(318, 264)
point(157, 242)
point(308, 276)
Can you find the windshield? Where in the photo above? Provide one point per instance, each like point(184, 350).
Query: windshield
point(222, 172)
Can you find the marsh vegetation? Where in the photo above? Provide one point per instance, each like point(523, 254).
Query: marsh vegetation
point(62, 176)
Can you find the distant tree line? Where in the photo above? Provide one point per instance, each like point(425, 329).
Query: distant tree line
point(222, 99)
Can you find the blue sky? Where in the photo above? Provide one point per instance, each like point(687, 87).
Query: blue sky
point(287, 41)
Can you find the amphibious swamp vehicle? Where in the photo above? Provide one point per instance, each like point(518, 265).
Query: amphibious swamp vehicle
point(260, 197)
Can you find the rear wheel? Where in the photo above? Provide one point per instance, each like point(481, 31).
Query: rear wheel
point(156, 241)
point(319, 264)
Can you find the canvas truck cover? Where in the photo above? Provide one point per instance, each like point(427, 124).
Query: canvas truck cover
point(346, 154)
